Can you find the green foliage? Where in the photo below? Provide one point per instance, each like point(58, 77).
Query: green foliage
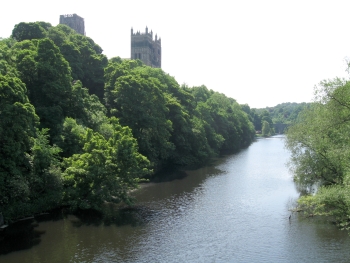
point(29, 168)
point(60, 140)
point(332, 202)
point(85, 108)
point(47, 77)
point(285, 113)
point(169, 120)
point(319, 143)
point(84, 57)
point(29, 31)
point(17, 129)
point(106, 170)
point(266, 130)
point(254, 117)
point(227, 126)
point(137, 100)
point(278, 117)
point(71, 138)
point(45, 176)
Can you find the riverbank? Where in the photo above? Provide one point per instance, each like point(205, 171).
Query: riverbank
point(236, 209)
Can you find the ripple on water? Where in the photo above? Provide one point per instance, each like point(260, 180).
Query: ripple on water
point(234, 211)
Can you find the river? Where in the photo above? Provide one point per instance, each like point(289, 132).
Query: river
point(235, 209)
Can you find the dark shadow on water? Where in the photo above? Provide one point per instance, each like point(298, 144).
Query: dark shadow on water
point(113, 215)
point(131, 215)
point(168, 176)
point(173, 172)
point(23, 235)
point(19, 236)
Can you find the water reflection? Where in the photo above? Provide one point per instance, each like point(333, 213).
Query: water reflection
point(20, 236)
point(235, 210)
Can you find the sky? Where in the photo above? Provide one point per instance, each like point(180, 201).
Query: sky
point(261, 53)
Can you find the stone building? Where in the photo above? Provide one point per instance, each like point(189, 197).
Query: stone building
point(143, 47)
point(74, 21)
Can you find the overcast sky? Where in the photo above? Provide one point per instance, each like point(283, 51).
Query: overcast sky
point(258, 52)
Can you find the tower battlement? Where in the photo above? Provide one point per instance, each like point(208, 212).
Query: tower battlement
point(73, 21)
point(145, 48)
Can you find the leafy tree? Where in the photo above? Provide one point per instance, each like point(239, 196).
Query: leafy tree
point(138, 102)
point(46, 175)
point(29, 31)
point(77, 155)
point(332, 202)
point(320, 154)
point(85, 108)
point(279, 116)
point(256, 119)
point(71, 138)
point(314, 144)
point(227, 126)
point(47, 77)
point(84, 56)
point(266, 130)
point(17, 128)
point(106, 170)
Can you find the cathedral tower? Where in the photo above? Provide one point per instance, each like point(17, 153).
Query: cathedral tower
point(74, 21)
point(143, 47)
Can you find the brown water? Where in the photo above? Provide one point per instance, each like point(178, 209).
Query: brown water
point(235, 210)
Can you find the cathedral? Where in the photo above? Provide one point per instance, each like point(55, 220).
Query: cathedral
point(74, 21)
point(147, 49)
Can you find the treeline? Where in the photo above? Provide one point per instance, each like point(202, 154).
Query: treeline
point(261, 120)
point(320, 147)
point(78, 130)
point(270, 120)
point(285, 113)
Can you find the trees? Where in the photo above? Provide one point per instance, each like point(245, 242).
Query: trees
point(266, 130)
point(61, 141)
point(318, 140)
point(137, 100)
point(168, 120)
point(320, 154)
point(279, 117)
point(46, 74)
point(29, 31)
point(30, 168)
point(105, 171)
point(83, 55)
point(17, 129)
point(45, 175)
point(227, 126)
point(30, 178)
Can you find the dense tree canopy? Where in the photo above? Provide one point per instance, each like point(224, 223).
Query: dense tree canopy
point(79, 130)
point(278, 117)
point(17, 128)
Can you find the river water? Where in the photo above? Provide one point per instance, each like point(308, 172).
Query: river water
point(233, 210)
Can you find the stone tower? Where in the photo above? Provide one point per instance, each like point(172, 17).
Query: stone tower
point(143, 47)
point(74, 21)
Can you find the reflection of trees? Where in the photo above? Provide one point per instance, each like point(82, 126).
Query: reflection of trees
point(19, 236)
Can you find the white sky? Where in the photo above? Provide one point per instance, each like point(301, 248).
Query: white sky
point(258, 52)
